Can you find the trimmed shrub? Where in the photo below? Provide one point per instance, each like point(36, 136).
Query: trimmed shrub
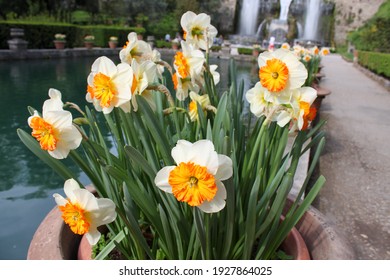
point(378, 63)
point(41, 35)
point(247, 51)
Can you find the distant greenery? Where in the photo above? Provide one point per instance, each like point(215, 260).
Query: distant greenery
point(343, 51)
point(376, 62)
point(157, 17)
point(375, 34)
point(41, 34)
point(245, 51)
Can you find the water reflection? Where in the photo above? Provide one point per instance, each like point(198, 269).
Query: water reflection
point(26, 183)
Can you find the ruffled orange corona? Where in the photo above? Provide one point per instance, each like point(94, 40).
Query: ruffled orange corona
point(104, 89)
point(75, 217)
point(45, 133)
point(274, 75)
point(192, 183)
point(182, 65)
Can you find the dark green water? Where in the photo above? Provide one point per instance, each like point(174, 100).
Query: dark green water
point(26, 184)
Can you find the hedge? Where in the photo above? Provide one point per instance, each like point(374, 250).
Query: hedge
point(41, 35)
point(376, 62)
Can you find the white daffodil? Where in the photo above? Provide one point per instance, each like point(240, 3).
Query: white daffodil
point(55, 131)
point(134, 49)
point(196, 179)
point(256, 99)
point(299, 110)
point(109, 85)
point(189, 66)
point(198, 30)
point(83, 212)
point(183, 86)
point(144, 73)
point(280, 71)
point(301, 102)
point(202, 100)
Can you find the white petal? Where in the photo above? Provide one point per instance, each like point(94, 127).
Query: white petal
point(69, 187)
point(162, 178)
point(225, 168)
point(86, 200)
point(179, 152)
point(60, 200)
point(186, 19)
point(70, 137)
point(54, 103)
point(283, 118)
point(218, 202)
point(93, 236)
point(106, 213)
point(105, 66)
point(308, 94)
point(59, 119)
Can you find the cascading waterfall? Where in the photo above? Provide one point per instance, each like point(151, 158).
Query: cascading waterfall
point(284, 6)
point(248, 17)
point(313, 12)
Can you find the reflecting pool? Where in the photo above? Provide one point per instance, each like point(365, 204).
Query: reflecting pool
point(27, 184)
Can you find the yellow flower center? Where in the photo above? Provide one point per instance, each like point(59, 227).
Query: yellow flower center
point(45, 133)
point(192, 183)
point(104, 89)
point(75, 217)
point(182, 64)
point(196, 31)
point(274, 75)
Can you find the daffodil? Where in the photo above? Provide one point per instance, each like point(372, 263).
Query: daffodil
point(197, 177)
point(256, 98)
point(299, 111)
point(54, 130)
point(189, 66)
point(143, 74)
point(183, 86)
point(109, 85)
point(324, 51)
point(83, 212)
point(280, 71)
point(202, 100)
point(198, 30)
point(134, 49)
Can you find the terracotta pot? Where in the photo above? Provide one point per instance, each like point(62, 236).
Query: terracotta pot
point(53, 240)
point(112, 44)
point(294, 246)
point(59, 44)
point(88, 45)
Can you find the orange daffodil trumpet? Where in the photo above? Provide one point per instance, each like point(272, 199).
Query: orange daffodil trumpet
point(83, 212)
point(198, 30)
point(109, 85)
point(54, 130)
point(197, 177)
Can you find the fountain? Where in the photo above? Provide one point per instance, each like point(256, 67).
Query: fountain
point(248, 17)
point(313, 13)
point(279, 27)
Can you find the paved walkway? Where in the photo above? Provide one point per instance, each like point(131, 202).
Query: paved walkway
point(356, 160)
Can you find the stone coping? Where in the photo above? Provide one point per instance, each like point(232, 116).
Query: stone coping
point(96, 51)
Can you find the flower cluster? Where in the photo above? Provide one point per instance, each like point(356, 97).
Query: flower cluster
point(60, 37)
point(184, 173)
point(89, 38)
point(113, 39)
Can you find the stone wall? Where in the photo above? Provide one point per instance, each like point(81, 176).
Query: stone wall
point(228, 11)
point(351, 14)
